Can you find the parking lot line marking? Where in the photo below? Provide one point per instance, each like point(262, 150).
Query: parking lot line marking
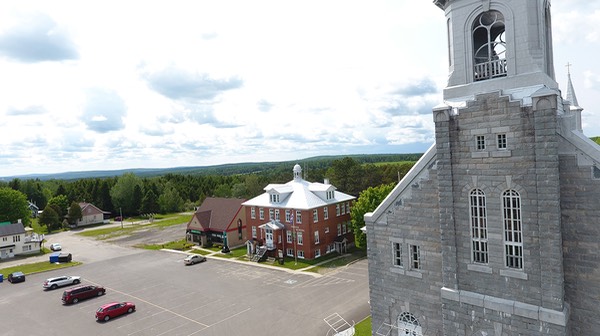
point(223, 320)
point(157, 306)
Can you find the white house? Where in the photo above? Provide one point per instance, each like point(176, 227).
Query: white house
point(14, 240)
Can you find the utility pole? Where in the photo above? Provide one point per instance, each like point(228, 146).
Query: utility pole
point(121, 215)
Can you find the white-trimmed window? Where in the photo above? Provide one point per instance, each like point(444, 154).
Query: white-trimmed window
point(300, 239)
point(415, 257)
point(513, 233)
point(315, 216)
point(274, 198)
point(479, 237)
point(287, 215)
point(301, 254)
point(339, 227)
point(289, 236)
point(16, 239)
point(261, 213)
point(298, 216)
point(344, 228)
point(501, 140)
point(397, 254)
point(289, 252)
point(343, 208)
point(277, 214)
point(348, 207)
point(317, 253)
point(254, 232)
point(480, 142)
point(26, 248)
point(327, 229)
point(325, 213)
point(316, 237)
point(271, 214)
point(409, 325)
point(253, 212)
point(337, 209)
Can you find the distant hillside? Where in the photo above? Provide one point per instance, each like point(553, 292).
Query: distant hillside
point(224, 169)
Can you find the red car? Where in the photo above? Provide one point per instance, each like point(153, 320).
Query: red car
point(114, 309)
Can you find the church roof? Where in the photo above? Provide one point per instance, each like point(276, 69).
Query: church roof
point(571, 93)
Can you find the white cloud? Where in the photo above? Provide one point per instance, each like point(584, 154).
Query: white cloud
point(122, 84)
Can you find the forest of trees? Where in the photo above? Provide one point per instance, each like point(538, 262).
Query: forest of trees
point(134, 195)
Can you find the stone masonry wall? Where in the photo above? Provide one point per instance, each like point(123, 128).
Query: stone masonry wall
point(580, 206)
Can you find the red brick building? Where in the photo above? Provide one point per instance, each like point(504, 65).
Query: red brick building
point(299, 218)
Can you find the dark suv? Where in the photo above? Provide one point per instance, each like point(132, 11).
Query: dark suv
point(74, 295)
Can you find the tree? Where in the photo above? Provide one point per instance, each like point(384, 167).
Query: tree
point(49, 218)
point(123, 193)
point(170, 201)
point(60, 204)
point(75, 213)
point(14, 206)
point(347, 175)
point(149, 202)
point(368, 201)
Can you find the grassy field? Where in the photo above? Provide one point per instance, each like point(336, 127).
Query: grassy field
point(37, 267)
point(363, 328)
point(133, 224)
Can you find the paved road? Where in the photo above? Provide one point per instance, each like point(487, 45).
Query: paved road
point(218, 297)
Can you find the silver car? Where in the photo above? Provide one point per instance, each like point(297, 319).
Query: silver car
point(194, 259)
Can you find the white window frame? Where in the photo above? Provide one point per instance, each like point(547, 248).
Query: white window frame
point(501, 141)
point(513, 229)
point(300, 254)
point(300, 238)
point(290, 252)
point(415, 257)
point(298, 216)
point(339, 229)
point(315, 215)
point(253, 212)
point(397, 255)
point(316, 237)
point(289, 237)
point(271, 214)
point(479, 234)
point(317, 253)
point(325, 213)
point(261, 213)
point(276, 214)
point(337, 209)
point(253, 231)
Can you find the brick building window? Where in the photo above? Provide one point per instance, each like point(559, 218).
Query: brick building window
point(337, 209)
point(339, 228)
point(513, 234)
point(271, 214)
point(317, 253)
point(397, 251)
point(290, 252)
point(316, 237)
point(415, 257)
point(301, 254)
point(276, 214)
point(289, 236)
point(325, 213)
point(300, 239)
point(254, 232)
point(315, 216)
point(253, 212)
point(261, 213)
point(479, 239)
point(288, 216)
point(298, 216)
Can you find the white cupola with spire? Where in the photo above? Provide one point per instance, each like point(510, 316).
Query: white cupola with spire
point(297, 173)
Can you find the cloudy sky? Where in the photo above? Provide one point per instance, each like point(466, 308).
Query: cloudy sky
point(102, 85)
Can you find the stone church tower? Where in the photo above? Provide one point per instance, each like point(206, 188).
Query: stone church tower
point(496, 229)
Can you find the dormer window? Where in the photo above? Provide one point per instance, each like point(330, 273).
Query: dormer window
point(489, 46)
point(330, 194)
point(274, 198)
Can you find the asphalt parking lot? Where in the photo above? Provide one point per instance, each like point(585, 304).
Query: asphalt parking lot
point(217, 297)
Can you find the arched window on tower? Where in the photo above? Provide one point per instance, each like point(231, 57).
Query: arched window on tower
point(409, 325)
point(489, 46)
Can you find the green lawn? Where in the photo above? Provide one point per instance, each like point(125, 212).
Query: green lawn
point(180, 245)
point(128, 227)
point(37, 267)
point(363, 328)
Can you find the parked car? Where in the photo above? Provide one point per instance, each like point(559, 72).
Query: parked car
point(118, 219)
point(194, 259)
point(76, 294)
point(114, 309)
point(15, 277)
point(61, 281)
point(55, 247)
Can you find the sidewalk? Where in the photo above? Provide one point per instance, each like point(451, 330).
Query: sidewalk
point(212, 254)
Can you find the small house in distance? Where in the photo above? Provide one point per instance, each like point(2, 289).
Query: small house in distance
point(219, 221)
point(91, 214)
point(15, 240)
point(302, 219)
